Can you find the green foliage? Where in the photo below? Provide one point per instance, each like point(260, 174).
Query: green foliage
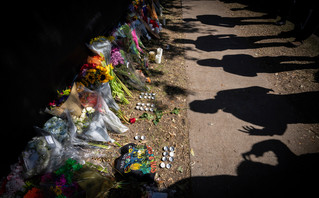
point(175, 111)
point(147, 116)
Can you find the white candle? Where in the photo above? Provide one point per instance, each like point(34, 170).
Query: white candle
point(158, 59)
point(159, 51)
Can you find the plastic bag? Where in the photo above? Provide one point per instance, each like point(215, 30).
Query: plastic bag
point(94, 184)
point(103, 118)
point(42, 154)
point(105, 91)
point(127, 73)
point(101, 45)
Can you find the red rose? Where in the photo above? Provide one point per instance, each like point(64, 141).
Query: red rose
point(132, 120)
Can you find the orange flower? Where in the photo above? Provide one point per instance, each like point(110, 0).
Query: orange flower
point(95, 59)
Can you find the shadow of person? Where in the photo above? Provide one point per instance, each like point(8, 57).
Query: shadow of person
point(247, 65)
point(292, 175)
point(259, 107)
point(230, 41)
point(229, 21)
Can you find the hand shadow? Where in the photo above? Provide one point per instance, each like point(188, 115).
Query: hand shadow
point(257, 106)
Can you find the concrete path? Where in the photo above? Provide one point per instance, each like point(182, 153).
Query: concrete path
point(243, 135)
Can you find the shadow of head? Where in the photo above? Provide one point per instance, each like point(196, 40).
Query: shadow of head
point(205, 106)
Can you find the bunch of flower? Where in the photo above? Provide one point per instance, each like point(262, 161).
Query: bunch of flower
point(116, 57)
point(57, 127)
point(13, 183)
point(62, 97)
point(34, 193)
point(87, 98)
point(83, 121)
point(60, 182)
point(93, 75)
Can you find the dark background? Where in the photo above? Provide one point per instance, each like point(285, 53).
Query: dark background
point(42, 49)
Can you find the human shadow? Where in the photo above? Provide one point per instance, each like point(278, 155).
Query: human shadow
point(259, 107)
point(247, 65)
point(229, 21)
point(230, 41)
point(292, 175)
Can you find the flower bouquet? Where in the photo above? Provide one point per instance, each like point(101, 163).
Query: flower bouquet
point(93, 75)
point(125, 70)
point(67, 99)
point(102, 46)
point(100, 119)
point(42, 154)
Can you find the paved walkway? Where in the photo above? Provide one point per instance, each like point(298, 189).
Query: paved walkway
point(244, 136)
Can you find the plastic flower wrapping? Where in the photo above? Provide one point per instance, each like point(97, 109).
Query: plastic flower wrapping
point(58, 162)
point(57, 127)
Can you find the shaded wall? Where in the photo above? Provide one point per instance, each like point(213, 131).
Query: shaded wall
point(42, 49)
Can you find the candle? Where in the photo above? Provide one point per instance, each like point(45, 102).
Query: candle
point(158, 59)
point(159, 51)
point(152, 56)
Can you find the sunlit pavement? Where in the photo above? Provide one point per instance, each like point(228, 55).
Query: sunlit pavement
point(247, 139)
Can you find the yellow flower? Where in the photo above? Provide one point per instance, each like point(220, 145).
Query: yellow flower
point(98, 38)
point(110, 38)
point(92, 70)
point(90, 77)
point(57, 190)
point(104, 77)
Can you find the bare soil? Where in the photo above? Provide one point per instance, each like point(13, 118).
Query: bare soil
point(169, 82)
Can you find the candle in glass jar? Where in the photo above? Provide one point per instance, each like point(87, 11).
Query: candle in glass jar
point(152, 56)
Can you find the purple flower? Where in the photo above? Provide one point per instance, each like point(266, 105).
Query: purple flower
point(61, 181)
point(116, 57)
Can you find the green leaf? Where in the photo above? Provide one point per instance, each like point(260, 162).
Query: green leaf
point(158, 114)
point(175, 111)
point(147, 116)
point(155, 121)
point(180, 169)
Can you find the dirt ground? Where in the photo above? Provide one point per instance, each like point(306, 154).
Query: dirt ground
point(169, 82)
